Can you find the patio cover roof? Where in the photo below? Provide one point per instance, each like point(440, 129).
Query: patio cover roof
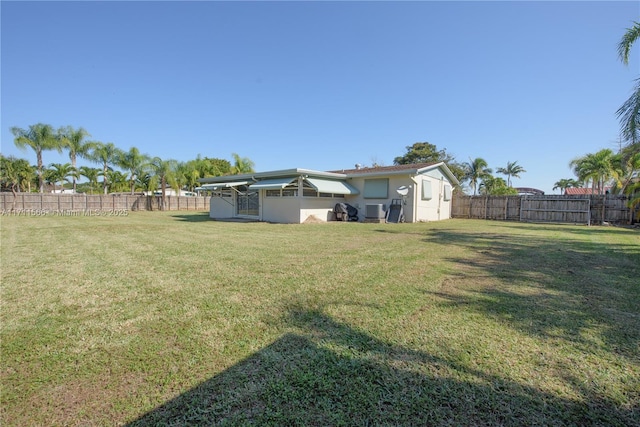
point(330, 186)
point(217, 185)
point(272, 184)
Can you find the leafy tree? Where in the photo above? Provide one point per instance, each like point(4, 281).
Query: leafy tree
point(92, 175)
point(105, 154)
point(135, 162)
point(211, 166)
point(425, 152)
point(629, 112)
point(475, 171)
point(39, 137)
point(513, 169)
point(565, 183)
point(241, 165)
point(15, 174)
point(74, 141)
point(493, 186)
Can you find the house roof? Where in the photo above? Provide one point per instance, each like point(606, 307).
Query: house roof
point(415, 169)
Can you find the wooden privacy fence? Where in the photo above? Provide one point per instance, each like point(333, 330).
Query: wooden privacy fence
point(583, 209)
point(44, 203)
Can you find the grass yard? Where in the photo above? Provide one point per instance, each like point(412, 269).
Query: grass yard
point(172, 319)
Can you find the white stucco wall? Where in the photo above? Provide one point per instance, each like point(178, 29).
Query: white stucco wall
point(221, 207)
point(279, 209)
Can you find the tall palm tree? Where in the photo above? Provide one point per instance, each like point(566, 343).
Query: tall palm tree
point(241, 165)
point(513, 169)
point(475, 171)
point(164, 171)
point(74, 141)
point(134, 162)
point(629, 112)
point(39, 137)
point(106, 155)
point(565, 183)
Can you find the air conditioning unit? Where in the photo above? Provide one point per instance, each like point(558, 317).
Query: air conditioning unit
point(374, 211)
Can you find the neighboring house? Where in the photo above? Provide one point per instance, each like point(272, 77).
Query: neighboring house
point(297, 195)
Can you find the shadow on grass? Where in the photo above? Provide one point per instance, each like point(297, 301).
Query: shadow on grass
point(331, 374)
point(555, 288)
point(193, 217)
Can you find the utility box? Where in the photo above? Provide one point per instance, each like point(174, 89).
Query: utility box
point(374, 213)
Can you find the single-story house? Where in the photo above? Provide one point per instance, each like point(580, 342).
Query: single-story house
point(295, 195)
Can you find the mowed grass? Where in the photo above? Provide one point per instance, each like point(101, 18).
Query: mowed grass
point(173, 319)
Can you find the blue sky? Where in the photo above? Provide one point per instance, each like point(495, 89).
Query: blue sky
point(323, 85)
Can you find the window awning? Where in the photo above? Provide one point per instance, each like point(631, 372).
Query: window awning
point(329, 186)
point(218, 185)
point(272, 184)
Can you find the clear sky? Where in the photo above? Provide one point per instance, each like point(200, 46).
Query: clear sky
point(323, 85)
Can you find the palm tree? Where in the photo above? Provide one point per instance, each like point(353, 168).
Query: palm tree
point(74, 141)
point(513, 169)
point(106, 155)
point(597, 168)
point(626, 167)
point(134, 162)
point(39, 137)
point(241, 165)
point(475, 171)
point(92, 175)
point(188, 174)
point(118, 181)
point(564, 183)
point(59, 172)
point(164, 171)
point(629, 112)
point(634, 195)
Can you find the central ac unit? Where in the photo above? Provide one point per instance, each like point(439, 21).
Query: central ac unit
point(374, 211)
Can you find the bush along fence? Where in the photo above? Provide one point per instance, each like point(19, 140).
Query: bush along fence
point(590, 209)
point(47, 203)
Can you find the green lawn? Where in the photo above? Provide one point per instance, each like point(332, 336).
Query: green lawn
point(172, 319)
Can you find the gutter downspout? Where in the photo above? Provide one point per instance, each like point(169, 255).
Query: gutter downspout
point(415, 192)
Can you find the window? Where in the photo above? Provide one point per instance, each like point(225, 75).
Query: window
point(426, 190)
point(376, 188)
point(447, 192)
point(290, 190)
point(272, 193)
point(226, 192)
